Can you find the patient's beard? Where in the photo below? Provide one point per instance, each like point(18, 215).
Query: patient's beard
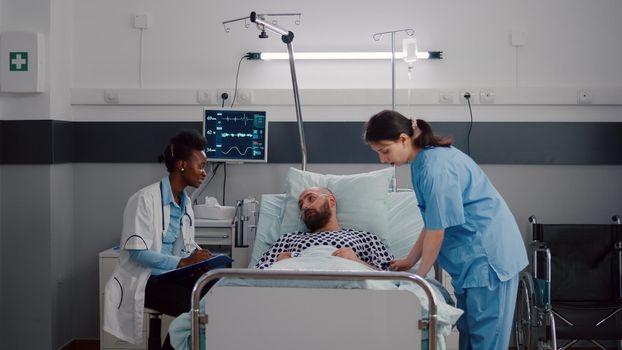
point(319, 219)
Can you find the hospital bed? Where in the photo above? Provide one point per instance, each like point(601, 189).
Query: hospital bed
point(325, 307)
point(573, 291)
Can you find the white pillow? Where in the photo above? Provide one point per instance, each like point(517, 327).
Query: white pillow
point(361, 199)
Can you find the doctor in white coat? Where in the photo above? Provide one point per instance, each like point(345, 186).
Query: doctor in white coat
point(157, 236)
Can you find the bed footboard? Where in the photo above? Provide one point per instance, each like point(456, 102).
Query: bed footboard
point(429, 323)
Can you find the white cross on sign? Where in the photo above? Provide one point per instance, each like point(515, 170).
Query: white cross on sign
point(18, 61)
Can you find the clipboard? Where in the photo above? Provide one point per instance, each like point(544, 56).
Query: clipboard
point(188, 275)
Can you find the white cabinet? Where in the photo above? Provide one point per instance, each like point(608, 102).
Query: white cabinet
point(219, 237)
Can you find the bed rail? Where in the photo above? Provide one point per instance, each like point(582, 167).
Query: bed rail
point(430, 324)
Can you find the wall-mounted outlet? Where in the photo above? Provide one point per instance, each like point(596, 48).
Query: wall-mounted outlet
point(224, 95)
point(204, 97)
point(446, 97)
point(486, 96)
point(111, 96)
point(244, 97)
point(462, 96)
point(140, 21)
point(584, 97)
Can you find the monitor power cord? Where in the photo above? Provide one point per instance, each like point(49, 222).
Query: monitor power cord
point(248, 56)
point(467, 97)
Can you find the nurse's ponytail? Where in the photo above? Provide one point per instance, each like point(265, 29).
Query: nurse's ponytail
point(389, 125)
point(427, 137)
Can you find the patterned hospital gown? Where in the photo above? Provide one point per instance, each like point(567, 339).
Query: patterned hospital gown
point(368, 247)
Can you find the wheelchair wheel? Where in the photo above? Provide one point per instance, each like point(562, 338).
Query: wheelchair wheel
point(524, 312)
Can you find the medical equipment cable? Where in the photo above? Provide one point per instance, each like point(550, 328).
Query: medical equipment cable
point(206, 184)
point(224, 183)
point(467, 96)
point(237, 74)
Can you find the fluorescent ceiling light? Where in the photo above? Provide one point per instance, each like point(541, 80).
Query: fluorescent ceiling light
point(345, 55)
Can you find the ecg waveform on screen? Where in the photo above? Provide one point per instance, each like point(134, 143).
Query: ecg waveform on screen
point(240, 134)
point(235, 119)
point(237, 149)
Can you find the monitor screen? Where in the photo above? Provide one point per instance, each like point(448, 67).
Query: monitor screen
point(236, 136)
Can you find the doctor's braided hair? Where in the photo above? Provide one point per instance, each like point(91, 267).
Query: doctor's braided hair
point(388, 125)
point(180, 147)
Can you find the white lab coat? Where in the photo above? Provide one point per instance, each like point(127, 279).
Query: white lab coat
point(145, 220)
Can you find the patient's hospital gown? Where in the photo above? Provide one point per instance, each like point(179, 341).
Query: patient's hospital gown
point(368, 247)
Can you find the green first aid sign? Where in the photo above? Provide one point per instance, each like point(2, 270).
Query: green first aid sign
point(18, 61)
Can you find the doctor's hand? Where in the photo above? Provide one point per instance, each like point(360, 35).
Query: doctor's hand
point(401, 264)
point(346, 253)
point(197, 255)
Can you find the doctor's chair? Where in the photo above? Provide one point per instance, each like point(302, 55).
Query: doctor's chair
point(574, 289)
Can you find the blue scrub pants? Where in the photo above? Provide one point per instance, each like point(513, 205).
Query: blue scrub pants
point(488, 314)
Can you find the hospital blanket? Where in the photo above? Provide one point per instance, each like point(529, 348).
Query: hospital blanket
point(320, 260)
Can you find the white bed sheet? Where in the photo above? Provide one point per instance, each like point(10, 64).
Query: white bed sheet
point(319, 259)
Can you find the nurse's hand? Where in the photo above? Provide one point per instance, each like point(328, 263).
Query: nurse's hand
point(401, 264)
point(197, 255)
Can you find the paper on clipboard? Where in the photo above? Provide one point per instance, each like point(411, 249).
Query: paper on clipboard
point(188, 275)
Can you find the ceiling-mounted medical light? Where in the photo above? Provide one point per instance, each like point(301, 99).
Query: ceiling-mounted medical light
point(266, 56)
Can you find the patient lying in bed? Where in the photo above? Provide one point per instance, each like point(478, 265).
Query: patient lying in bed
point(318, 211)
point(327, 247)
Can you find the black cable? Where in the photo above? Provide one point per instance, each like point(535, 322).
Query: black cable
point(467, 96)
point(235, 90)
point(224, 183)
point(207, 184)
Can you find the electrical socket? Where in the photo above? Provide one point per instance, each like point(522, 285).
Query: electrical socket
point(244, 97)
point(227, 100)
point(463, 99)
point(446, 97)
point(584, 97)
point(140, 21)
point(486, 96)
point(204, 97)
point(111, 96)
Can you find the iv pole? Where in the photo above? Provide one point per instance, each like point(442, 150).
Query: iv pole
point(377, 37)
point(287, 37)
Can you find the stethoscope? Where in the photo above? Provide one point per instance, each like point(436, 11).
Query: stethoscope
point(181, 220)
point(164, 228)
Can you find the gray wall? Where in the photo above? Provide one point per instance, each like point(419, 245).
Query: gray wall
point(63, 247)
point(569, 194)
point(26, 256)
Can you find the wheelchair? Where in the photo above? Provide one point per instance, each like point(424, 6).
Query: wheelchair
point(574, 289)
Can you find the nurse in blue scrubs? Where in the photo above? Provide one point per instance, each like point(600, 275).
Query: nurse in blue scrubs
point(468, 227)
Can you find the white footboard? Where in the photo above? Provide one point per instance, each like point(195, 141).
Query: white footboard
point(311, 318)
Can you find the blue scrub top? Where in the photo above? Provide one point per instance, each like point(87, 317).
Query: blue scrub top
point(482, 243)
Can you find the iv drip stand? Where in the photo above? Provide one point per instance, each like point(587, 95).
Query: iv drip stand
point(377, 37)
